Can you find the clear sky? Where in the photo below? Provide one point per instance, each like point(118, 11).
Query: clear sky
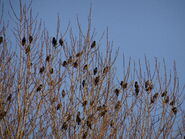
point(155, 28)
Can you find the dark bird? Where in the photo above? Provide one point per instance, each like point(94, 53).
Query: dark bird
point(1, 39)
point(51, 71)
point(164, 93)
point(166, 99)
point(78, 119)
point(95, 70)
point(85, 67)
point(9, 97)
point(42, 69)
point(64, 126)
point(39, 87)
point(96, 80)
point(93, 44)
point(174, 110)
point(123, 84)
point(64, 64)
point(116, 91)
point(106, 69)
point(23, 41)
point(30, 39)
point(172, 103)
point(54, 42)
point(2, 114)
point(75, 64)
point(61, 42)
point(59, 106)
point(48, 58)
point(63, 93)
point(79, 54)
point(136, 85)
point(118, 105)
point(83, 83)
point(84, 103)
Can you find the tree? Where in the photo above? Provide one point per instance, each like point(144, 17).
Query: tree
point(63, 86)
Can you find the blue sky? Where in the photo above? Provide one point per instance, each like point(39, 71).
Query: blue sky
point(155, 28)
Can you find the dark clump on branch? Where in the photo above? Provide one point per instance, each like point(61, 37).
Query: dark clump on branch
point(9, 97)
point(64, 64)
point(136, 85)
point(164, 93)
point(48, 58)
point(96, 80)
point(51, 71)
point(63, 93)
point(54, 42)
point(78, 119)
point(123, 84)
point(23, 41)
point(59, 106)
point(42, 69)
point(39, 87)
point(2, 114)
point(1, 39)
point(30, 39)
point(27, 50)
point(61, 42)
point(93, 44)
point(116, 91)
point(95, 70)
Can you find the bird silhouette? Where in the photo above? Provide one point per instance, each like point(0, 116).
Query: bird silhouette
point(23, 41)
point(61, 42)
point(1, 39)
point(30, 39)
point(95, 70)
point(54, 42)
point(93, 44)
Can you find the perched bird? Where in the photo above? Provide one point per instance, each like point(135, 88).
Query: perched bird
point(51, 71)
point(84, 103)
point(93, 44)
point(64, 64)
point(96, 80)
point(70, 60)
point(75, 64)
point(42, 69)
point(166, 99)
point(39, 87)
point(85, 67)
point(61, 42)
point(164, 93)
point(54, 42)
point(48, 58)
point(83, 83)
point(30, 38)
point(1, 39)
point(64, 126)
point(123, 84)
point(116, 91)
point(148, 86)
point(172, 103)
point(118, 105)
point(136, 88)
point(9, 97)
point(174, 110)
point(78, 119)
point(59, 106)
point(63, 93)
point(95, 70)
point(23, 41)
point(2, 114)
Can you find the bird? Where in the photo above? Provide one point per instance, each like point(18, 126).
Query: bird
point(93, 44)
point(39, 87)
point(54, 42)
point(116, 91)
point(30, 39)
point(63, 93)
point(1, 39)
point(164, 93)
point(96, 80)
point(83, 83)
point(51, 71)
point(61, 42)
point(48, 58)
point(78, 119)
point(64, 64)
point(58, 106)
point(123, 84)
point(95, 70)
point(9, 97)
point(136, 88)
point(27, 50)
point(23, 41)
point(42, 69)
point(85, 67)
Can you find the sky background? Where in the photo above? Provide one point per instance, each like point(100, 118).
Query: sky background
point(155, 28)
